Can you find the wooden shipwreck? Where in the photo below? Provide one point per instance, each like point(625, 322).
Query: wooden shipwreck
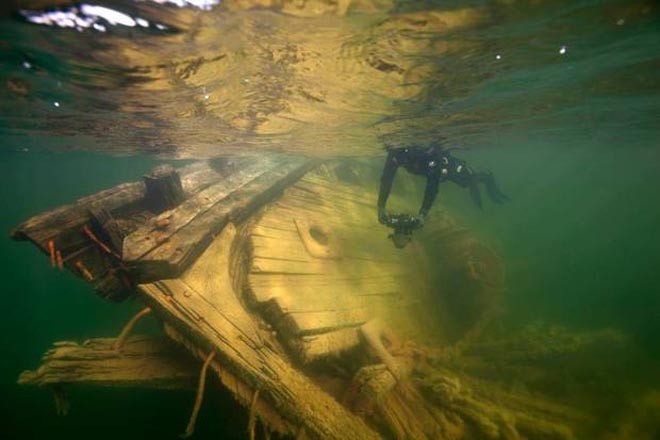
point(274, 274)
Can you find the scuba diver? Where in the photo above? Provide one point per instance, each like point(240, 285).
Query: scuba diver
point(437, 165)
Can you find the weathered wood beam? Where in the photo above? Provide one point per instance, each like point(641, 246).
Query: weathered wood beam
point(174, 251)
point(314, 347)
point(163, 189)
point(143, 361)
point(204, 307)
point(242, 392)
point(167, 224)
point(88, 237)
point(49, 224)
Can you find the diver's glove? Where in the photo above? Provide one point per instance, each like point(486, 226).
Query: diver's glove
point(383, 217)
point(420, 219)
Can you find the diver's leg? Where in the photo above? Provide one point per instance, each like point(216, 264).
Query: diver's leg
point(475, 194)
point(492, 190)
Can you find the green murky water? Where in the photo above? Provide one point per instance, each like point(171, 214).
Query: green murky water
point(561, 99)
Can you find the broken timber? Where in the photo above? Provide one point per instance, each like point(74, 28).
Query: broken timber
point(115, 238)
point(143, 361)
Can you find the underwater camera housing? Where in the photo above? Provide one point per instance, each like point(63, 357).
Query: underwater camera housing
point(403, 225)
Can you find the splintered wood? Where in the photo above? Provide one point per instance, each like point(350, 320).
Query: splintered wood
point(322, 266)
point(142, 362)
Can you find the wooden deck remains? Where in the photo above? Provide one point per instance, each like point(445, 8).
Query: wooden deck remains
point(322, 266)
point(116, 237)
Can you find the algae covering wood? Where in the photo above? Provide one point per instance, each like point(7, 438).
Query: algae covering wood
point(203, 306)
point(322, 266)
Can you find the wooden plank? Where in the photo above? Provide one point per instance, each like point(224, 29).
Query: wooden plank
point(315, 347)
point(46, 226)
point(318, 183)
point(143, 361)
point(300, 194)
point(226, 328)
point(173, 255)
point(268, 287)
point(263, 246)
point(311, 323)
point(283, 234)
point(243, 393)
point(284, 214)
point(333, 299)
point(358, 281)
point(149, 236)
point(306, 298)
point(327, 267)
point(266, 247)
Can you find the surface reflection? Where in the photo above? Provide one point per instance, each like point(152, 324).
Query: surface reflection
point(322, 78)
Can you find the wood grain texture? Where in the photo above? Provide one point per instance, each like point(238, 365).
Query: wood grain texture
point(322, 266)
point(50, 224)
point(149, 236)
point(203, 306)
point(143, 361)
point(195, 225)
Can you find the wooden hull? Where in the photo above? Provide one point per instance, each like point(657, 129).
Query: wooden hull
point(282, 281)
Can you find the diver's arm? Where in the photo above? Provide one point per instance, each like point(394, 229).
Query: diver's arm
point(430, 193)
point(386, 180)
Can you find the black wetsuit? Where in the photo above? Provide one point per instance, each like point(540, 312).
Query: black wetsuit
point(437, 165)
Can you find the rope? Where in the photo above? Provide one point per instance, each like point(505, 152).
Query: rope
point(126, 331)
point(190, 429)
point(253, 413)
